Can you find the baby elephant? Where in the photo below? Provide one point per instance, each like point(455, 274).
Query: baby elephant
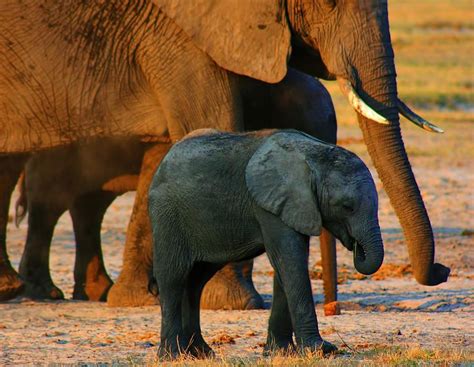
point(221, 197)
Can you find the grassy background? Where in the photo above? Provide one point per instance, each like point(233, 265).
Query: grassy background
point(433, 42)
point(375, 357)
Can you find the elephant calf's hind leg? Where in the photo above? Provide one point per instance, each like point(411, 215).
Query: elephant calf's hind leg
point(199, 276)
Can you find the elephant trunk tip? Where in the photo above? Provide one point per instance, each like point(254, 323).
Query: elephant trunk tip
point(438, 274)
point(367, 263)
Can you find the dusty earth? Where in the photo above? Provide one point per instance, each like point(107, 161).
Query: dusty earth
point(387, 309)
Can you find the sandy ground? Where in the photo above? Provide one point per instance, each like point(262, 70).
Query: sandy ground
point(387, 309)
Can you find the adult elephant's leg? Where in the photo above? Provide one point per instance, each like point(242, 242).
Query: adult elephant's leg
point(91, 281)
point(131, 288)
point(329, 264)
point(10, 168)
point(232, 288)
point(194, 93)
point(34, 265)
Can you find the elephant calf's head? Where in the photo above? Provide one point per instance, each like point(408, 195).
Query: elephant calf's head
point(310, 184)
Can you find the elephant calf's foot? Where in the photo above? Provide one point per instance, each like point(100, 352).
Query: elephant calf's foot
point(170, 352)
point(11, 285)
point(96, 290)
point(321, 346)
point(200, 350)
point(43, 290)
point(230, 294)
point(130, 295)
point(279, 347)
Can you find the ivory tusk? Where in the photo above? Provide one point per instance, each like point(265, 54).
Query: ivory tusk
point(358, 103)
point(416, 119)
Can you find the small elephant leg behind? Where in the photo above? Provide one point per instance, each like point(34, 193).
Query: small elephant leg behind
point(34, 265)
point(280, 329)
point(90, 276)
point(197, 279)
point(10, 168)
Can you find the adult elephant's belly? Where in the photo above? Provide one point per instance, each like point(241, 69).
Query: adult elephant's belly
point(58, 116)
point(53, 92)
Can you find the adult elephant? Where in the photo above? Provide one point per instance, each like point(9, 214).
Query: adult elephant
point(86, 178)
point(73, 70)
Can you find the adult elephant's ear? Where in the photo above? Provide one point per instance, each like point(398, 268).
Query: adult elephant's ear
point(279, 180)
point(249, 37)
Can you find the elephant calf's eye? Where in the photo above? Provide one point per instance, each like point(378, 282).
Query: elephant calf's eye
point(348, 208)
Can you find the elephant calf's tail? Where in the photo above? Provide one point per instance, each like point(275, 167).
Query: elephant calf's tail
point(153, 284)
point(21, 205)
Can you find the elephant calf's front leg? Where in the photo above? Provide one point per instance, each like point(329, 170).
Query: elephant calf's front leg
point(287, 251)
point(280, 329)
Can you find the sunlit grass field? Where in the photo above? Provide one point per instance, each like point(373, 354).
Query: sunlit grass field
point(373, 357)
point(433, 42)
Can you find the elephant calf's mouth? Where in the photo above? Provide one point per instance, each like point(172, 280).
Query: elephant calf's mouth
point(356, 248)
point(348, 242)
point(359, 252)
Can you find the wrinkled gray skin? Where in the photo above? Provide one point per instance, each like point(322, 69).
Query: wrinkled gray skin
point(81, 69)
point(86, 178)
point(221, 197)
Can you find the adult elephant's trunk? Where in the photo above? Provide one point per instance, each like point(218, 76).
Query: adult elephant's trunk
point(377, 86)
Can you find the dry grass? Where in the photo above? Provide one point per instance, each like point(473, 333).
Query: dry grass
point(363, 356)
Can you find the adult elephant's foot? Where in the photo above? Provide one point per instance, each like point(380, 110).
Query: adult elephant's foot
point(11, 285)
point(123, 294)
point(93, 290)
point(43, 289)
point(332, 309)
point(232, 289)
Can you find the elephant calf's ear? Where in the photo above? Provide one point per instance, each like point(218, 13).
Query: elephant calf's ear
point(279, 180)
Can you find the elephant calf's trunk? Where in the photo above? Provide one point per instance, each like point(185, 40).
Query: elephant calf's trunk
point(368, 254)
